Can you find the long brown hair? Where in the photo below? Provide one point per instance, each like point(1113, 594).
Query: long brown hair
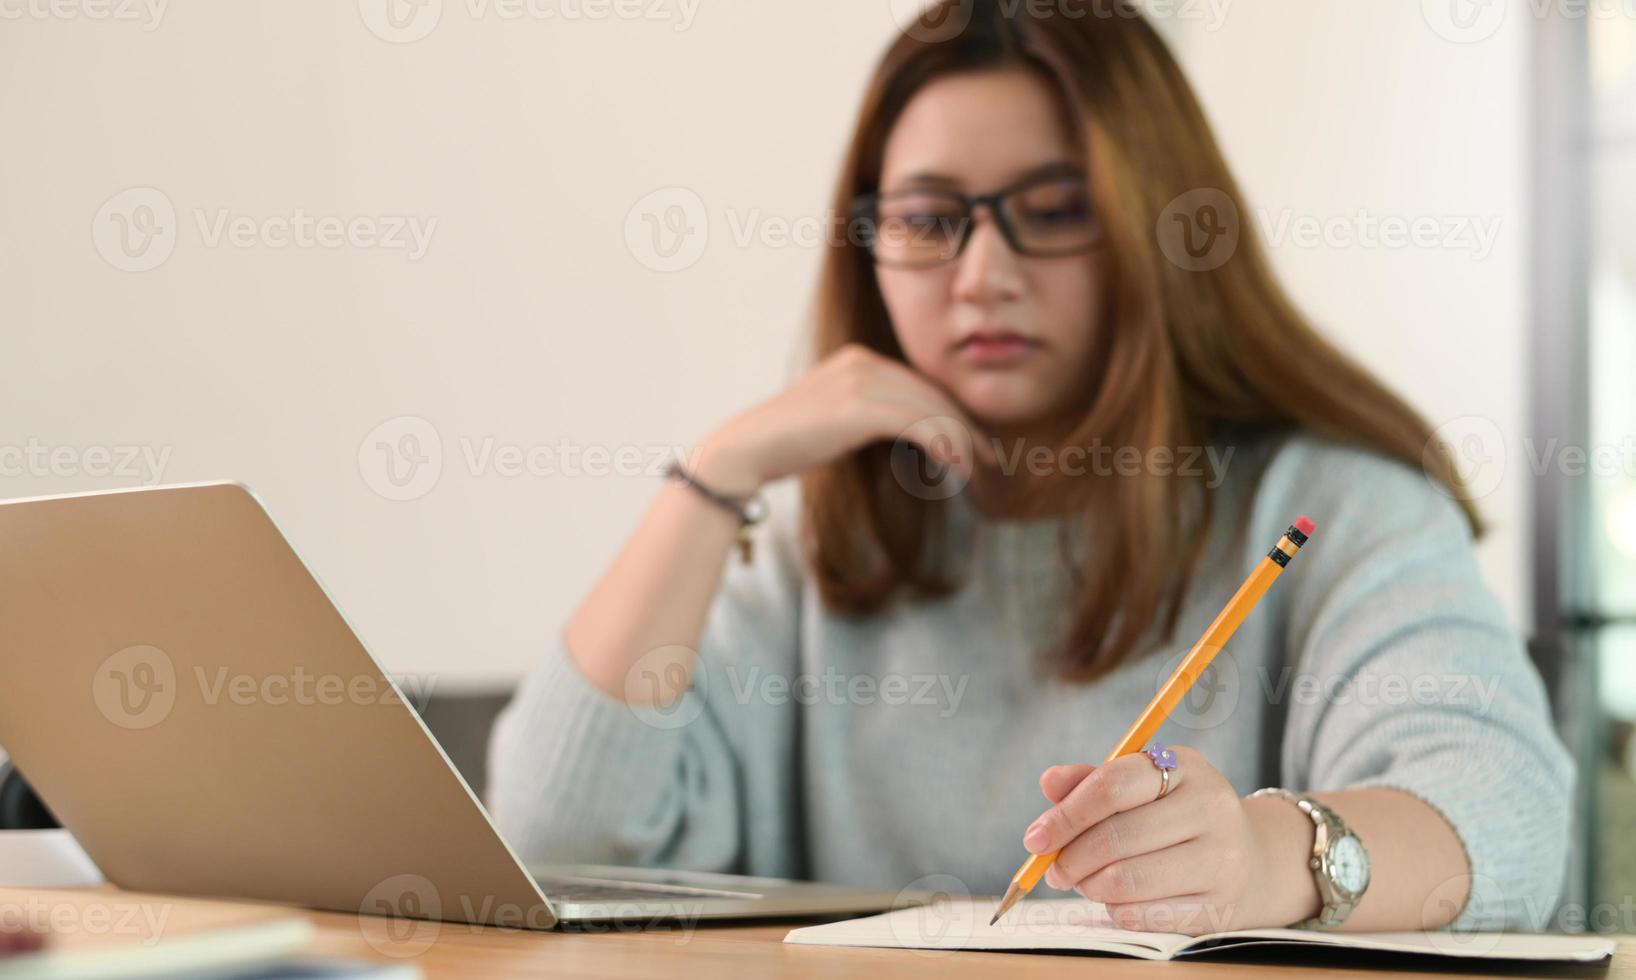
point(1184, 350)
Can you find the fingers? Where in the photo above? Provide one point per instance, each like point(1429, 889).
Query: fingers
point(1120, 837)
point(1125, 783)
point(1182, 870)
point(855, 397)
point(926, 403)
point(924, 413)
point(944, 438)
point(1156, 864)
point(1057, 781)
point(1193, 915)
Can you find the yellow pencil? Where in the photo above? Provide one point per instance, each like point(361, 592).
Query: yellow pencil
point(1154, 715)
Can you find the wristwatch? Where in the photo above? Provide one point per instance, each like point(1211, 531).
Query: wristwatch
point(1339, 863)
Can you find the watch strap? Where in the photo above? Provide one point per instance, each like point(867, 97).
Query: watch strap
point(1328, 826)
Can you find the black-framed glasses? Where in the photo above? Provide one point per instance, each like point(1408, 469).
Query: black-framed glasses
point(1042, 216)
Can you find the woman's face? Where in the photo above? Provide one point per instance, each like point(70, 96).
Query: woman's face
point(1008, 336)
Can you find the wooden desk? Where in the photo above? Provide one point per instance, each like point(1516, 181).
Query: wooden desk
point(444, 950)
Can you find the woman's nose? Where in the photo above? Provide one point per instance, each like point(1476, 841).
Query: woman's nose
point(988, 268)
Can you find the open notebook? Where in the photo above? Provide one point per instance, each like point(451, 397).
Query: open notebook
point(1076, 924)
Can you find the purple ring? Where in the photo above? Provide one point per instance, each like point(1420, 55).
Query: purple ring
point(1163, 756)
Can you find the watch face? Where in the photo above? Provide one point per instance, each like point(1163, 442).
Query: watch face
point(1349, 864)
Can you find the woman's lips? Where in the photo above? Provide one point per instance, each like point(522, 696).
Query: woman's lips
point(996, 349)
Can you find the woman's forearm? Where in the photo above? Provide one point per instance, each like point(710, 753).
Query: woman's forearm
point(1419, 877)
point(645, 614)
point(649, 608)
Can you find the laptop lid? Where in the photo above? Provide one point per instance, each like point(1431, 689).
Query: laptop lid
point(190, 703)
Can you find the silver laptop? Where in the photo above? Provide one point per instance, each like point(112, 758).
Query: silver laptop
point(188, 701)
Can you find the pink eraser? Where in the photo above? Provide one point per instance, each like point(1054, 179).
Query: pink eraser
point(1305, 526)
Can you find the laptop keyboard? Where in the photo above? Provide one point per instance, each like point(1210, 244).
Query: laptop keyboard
point(589, 890)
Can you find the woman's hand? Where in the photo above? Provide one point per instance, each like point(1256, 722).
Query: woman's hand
point(643, 618)
point(1191, 862)
point(853, 397)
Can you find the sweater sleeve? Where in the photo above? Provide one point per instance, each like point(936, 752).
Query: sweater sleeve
point(704, 784)
point(1408, 675)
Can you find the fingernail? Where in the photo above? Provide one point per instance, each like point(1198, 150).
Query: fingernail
point(1036, 838)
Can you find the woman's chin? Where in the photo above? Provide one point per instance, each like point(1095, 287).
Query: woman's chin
point(1003, 403)
point(1004, 416)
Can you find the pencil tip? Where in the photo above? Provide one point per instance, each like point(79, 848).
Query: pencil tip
point(1012, 894)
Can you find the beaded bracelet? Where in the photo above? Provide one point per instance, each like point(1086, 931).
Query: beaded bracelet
point(750, 511)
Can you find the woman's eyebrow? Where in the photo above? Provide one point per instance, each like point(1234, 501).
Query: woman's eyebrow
point(932, 178)
point(1059, 168)
point(927, 177)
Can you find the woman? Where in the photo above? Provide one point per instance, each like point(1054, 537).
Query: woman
point(1045, 437)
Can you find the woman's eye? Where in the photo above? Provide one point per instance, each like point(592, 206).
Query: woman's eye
point(1073, 212)
point(1053, 205)
point(928, 222)
point(1058, 216)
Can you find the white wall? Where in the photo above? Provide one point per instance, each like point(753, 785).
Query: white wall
point(537, 315)
point(1326, 107)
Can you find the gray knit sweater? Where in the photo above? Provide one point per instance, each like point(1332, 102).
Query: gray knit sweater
point(880, 750)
